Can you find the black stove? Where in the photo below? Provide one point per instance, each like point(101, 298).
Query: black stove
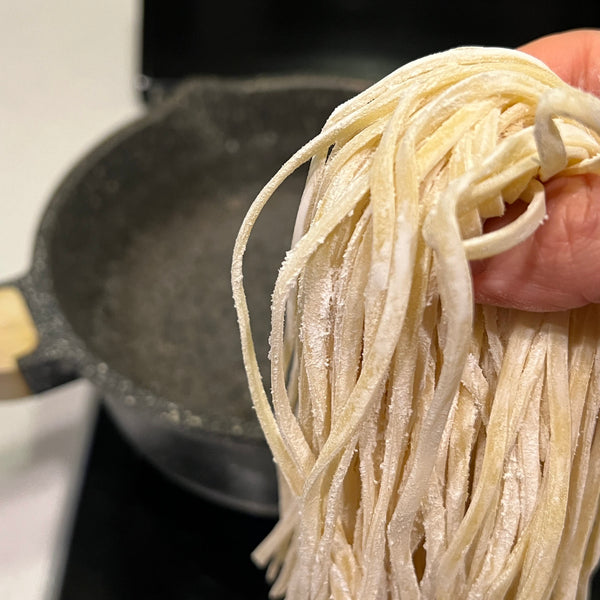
point(138, 535)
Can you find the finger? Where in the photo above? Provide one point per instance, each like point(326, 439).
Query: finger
point(558, 267)
point(574, 56)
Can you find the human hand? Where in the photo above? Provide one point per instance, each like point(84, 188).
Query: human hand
point(558, 267)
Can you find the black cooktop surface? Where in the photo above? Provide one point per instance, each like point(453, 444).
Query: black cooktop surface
point(137, 535)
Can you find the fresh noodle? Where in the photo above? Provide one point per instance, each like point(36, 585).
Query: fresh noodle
point(428, 447)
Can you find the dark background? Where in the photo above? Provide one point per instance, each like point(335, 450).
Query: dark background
point(363, 38)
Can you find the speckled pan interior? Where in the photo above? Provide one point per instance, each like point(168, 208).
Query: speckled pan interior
point(130, 283)
point(141, 243)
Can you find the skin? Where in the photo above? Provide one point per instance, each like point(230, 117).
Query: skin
point(557, 268)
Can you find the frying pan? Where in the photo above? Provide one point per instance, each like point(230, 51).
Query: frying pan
point(129, 284)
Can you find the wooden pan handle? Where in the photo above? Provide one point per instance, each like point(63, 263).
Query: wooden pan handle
point(18, 337)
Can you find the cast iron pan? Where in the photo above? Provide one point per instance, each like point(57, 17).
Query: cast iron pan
point(129, 285)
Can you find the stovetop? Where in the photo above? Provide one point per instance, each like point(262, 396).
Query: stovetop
point(138, 535)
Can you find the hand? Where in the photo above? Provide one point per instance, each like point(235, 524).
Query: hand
point(557, 268)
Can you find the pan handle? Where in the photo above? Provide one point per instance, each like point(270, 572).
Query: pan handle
point(26, 366)
point(18, 337)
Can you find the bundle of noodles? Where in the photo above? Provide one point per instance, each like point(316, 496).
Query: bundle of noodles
point(427, 447)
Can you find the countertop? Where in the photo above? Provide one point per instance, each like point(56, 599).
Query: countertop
point(68, 79)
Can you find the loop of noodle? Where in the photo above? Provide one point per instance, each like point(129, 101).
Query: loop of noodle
point(428, 448)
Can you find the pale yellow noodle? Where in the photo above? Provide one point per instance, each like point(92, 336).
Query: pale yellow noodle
point(427, 448)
